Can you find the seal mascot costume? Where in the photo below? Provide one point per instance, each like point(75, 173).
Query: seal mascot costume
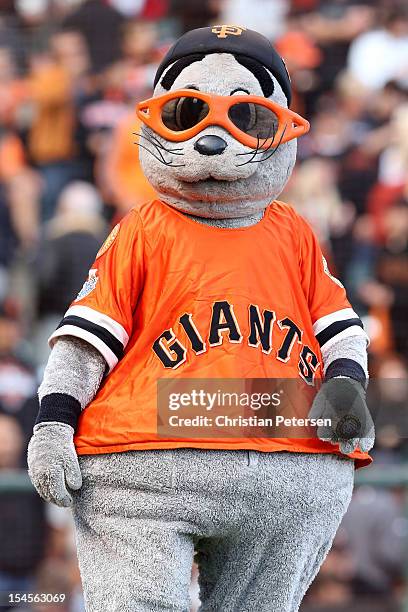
point(215, 279)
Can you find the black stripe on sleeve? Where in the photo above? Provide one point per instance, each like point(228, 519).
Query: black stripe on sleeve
point(100, 332)
point(59, 407)
point(346, 367)
point(335, 328)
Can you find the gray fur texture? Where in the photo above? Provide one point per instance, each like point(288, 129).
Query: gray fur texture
point(53, 463)
point(74, 367)
point(260, 523)
point(352, 347)
point(237, 191)
point(229, 223)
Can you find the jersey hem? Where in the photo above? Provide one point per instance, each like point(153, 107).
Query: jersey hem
point(361, 459)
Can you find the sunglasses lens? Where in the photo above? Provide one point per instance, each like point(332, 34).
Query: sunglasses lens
point(183, 113)
point(254, 119)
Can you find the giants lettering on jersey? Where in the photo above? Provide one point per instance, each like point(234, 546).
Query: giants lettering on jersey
point(224, 326)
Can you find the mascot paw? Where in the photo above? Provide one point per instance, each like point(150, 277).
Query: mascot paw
point(53, 463)
point(342, 400)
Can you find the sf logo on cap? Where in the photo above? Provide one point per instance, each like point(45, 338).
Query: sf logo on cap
point(223, 31)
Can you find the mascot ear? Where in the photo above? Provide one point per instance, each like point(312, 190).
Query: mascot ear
point(178, 66)
point(260, 73)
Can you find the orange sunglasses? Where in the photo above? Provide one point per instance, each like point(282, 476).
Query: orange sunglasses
point(252, 120)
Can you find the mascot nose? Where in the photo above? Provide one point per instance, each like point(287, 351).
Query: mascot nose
point(210, 145)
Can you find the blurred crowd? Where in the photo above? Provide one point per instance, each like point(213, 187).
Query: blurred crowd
point(71, 72)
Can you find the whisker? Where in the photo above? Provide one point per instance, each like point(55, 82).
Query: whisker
point(158, 151)
point(165, 148)
point(157, 143)
point(257, 161)
point(259, 146)
point(272, 140)
point(254, 153)
point(161, 158)
point(277, 146)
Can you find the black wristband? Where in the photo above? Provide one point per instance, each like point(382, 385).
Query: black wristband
point(346, 367)
point(59, 407)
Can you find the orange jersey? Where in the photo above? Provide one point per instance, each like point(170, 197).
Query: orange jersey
point(168, 297)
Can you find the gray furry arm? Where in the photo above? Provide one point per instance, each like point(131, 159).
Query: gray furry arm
point(341, 399)
point(346, 357)
point(71, 380)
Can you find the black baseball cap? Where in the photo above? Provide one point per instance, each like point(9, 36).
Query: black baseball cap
point(233, 39)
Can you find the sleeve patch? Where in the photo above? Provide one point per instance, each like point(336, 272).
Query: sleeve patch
point(89, 285)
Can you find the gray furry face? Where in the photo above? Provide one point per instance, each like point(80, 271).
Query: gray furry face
point(216, 186)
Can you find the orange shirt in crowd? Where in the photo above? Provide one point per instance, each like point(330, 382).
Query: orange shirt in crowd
point(51, 137)
point(12, 159)
point(129, 185)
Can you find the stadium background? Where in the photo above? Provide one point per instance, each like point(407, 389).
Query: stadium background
point(70, 74)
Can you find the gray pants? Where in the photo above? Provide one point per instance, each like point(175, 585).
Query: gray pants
point(260, 524)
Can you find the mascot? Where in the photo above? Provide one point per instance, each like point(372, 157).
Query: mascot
point(214, 279)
